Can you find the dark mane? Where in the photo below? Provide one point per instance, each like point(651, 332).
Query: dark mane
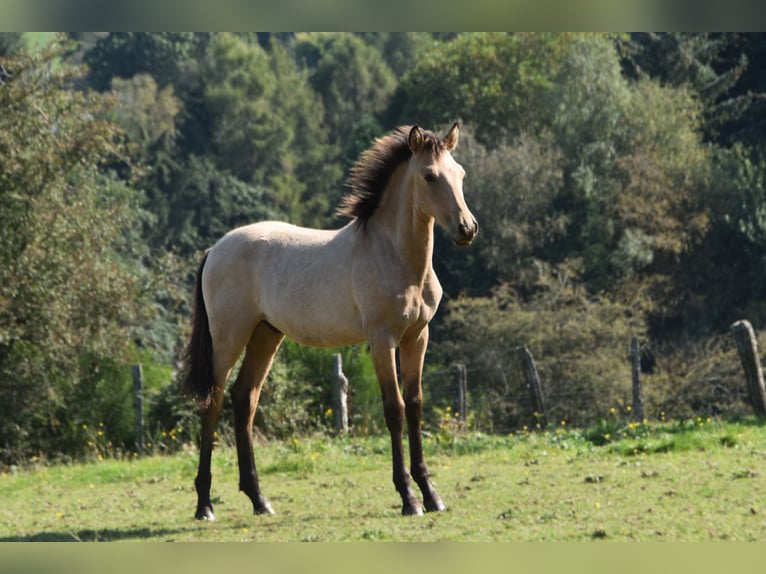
point(373, 169)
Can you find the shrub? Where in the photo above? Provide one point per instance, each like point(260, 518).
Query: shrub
point(580, 345)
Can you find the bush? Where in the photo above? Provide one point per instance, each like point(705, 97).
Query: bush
point(297, 399)
point(580, 345)
point(696, 378)
point(299, 395)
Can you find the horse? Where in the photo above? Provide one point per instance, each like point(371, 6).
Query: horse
point(371, 280)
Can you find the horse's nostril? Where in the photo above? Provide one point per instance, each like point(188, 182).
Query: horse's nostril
point(469, 231)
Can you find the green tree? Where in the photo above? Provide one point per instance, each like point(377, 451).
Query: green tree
point(400, 50)
point(355, 85)
point(724, 75)
point(596, 174)
point(492, 81)
point(70, 285)
point(205, 203)
point(266, 125)
point(10, 42)
point(146, 112)
point(163, 55)
point(710, 65)
point(511, 189)
point(634, 160)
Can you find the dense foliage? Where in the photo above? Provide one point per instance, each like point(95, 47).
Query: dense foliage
point(619, 182)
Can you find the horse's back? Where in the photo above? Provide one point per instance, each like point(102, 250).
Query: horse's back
point(297, 279)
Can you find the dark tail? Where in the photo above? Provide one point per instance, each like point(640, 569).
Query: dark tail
point(198, 380)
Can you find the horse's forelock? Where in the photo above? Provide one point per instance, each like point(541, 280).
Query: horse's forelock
point(373, 169)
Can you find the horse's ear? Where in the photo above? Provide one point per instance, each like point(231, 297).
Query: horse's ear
point(416, 139)
point(450, 140)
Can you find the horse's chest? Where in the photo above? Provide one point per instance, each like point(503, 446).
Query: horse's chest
point(419, 304)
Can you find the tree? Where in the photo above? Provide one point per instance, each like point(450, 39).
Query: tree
point(594, 174)
point(354, 82)
point(206, 203)
point(634, 160)
point(69, 279)
point(266, 125)
point(511, 189)
point(125, 54)
point(146, 112)
point(400, 50)
point(491, 81)
point(723, 74)
point(710, 65)
point(10, 43)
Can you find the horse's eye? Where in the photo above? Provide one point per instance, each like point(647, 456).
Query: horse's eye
point(430, 177)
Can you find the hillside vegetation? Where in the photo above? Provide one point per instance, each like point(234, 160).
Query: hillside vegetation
point(619, 182)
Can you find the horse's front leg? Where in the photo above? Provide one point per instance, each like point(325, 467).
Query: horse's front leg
point(384, 359)
point(411, 356)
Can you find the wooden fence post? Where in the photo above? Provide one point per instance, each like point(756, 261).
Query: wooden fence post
point(341, 395)
point(461, 380)
point(533, 385)
point(747, 346)
point(635, 371)
point(138, 394)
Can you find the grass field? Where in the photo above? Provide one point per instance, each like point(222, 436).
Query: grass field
point(701, 480)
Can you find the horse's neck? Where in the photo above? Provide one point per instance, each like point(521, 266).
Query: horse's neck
point(410, 232)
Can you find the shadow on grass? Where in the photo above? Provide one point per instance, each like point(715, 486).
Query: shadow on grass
point(92, 535)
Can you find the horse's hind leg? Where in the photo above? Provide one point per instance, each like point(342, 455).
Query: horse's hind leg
point(224, 357)
point(411, 356)
point(245, 393)
point(207, 436)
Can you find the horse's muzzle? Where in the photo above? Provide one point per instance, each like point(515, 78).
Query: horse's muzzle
point(467, 232)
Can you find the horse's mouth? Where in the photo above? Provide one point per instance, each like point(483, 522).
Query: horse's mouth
point(462, 241)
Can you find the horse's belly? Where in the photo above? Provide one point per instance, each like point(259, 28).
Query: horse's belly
point(318, 329)
point(326, 339)
point(319, 317)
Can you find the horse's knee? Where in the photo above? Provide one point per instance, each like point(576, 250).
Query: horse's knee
point(413, 407)
point(394, 414)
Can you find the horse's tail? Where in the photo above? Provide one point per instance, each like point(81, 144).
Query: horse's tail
point(197, 378)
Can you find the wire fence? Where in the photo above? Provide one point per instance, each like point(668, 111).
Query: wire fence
point(500, 397)
point(504, 394)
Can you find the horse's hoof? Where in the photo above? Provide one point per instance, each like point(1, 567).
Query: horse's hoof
point(205, 513)
point(435, 505)
point(263, 508)
point(412, 510)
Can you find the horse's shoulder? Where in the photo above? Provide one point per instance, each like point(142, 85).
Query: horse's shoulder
point(432, 289)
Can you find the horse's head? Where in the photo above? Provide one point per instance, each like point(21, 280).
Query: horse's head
point(437, 183)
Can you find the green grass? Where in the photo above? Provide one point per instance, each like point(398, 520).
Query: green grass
point(694, 481)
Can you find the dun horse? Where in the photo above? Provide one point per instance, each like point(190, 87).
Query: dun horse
point(371, 280)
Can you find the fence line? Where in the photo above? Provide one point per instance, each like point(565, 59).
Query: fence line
point(533, 397)
point(549, 400)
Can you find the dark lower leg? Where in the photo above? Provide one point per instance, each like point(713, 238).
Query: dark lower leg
point(412, 354)
point(204, 477)
point(248, 475)
point(202, 484)
point(395, 422)
point(414, 412)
